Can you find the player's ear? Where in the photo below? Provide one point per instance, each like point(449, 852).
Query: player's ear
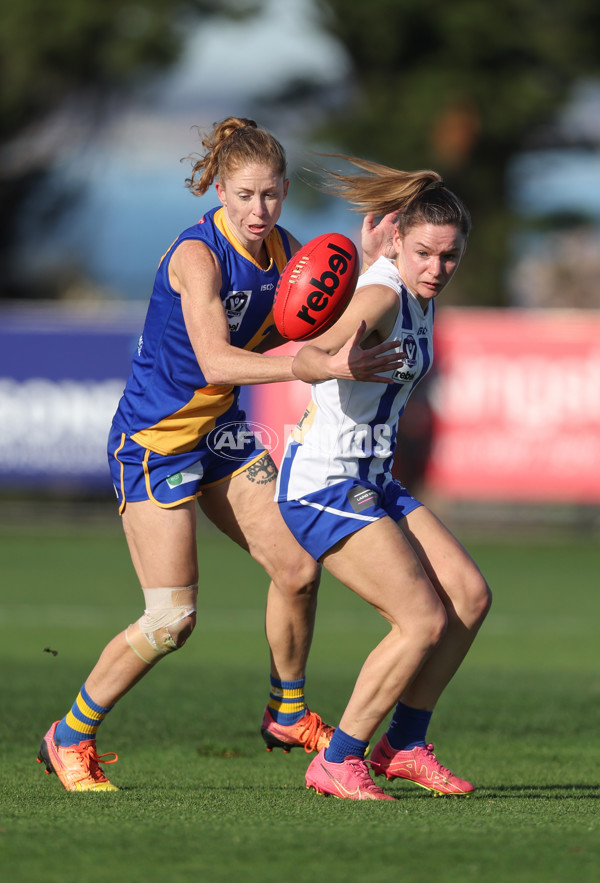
point(220, 192)
point(286, 186)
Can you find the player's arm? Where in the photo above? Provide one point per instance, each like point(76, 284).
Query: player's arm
point(195, 273)
point(356, 347)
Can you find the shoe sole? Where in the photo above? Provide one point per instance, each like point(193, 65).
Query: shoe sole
point(321, 793)
point(272, 742)
point(44, 757)
point(435, 791)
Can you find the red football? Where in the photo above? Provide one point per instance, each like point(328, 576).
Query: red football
point(315, 286)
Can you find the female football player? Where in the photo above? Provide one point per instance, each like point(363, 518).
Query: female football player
point(337, 495)
point(179, 437)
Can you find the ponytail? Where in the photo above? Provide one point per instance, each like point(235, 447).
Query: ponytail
point(418, 197)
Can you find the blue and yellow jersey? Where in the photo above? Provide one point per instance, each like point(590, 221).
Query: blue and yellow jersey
point(167, 406)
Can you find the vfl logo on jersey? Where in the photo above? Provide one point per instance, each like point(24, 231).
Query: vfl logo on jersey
point(408, 372)
point(236, 303)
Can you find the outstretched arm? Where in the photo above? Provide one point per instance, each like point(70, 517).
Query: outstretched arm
point(351, 362)
point(357, 346)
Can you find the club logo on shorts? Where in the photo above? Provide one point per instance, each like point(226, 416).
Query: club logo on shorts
point(191, 473)
point(361, 498)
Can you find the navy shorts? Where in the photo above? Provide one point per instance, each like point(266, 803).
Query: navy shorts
point(321, 519)
point(170, 479)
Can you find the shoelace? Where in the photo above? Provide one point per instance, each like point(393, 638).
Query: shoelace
point(313, 728)
point(441, 769)
point(90, 760)
point(361, 772)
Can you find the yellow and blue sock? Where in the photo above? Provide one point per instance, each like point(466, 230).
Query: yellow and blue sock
point(81, 722)
point(408, 727)
point(286, 701)
point(342, 746)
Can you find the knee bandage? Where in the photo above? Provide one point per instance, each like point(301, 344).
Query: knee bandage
point(156, 632)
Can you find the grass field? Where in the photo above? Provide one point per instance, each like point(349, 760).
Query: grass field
point(202, 800)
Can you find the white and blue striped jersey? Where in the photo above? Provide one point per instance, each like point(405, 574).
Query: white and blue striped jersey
point(349, 429)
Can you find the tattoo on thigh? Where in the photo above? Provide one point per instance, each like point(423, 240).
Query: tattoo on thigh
point(263, 471)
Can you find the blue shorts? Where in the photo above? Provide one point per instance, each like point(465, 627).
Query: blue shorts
point(321, 519)
point(170, 479)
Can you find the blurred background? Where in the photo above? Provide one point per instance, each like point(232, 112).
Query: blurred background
point(100, 104)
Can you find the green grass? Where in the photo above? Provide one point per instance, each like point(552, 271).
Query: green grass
point(200, 798)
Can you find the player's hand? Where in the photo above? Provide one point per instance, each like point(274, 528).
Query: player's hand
point(352, 362)
point(378, 239)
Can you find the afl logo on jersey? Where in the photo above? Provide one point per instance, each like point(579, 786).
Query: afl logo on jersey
point(236, 303)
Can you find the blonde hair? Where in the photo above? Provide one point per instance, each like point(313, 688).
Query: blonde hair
point(418, 197)
point(232, 144)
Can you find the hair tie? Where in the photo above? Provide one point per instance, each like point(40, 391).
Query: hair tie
point(237, 133)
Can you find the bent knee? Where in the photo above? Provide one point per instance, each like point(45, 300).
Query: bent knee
point(478, 600)
point(485, 601)
point(298, 577)
point(435, 626)
point(471, 601)
point(167, 622)
point(180, 631)
point(427, 628)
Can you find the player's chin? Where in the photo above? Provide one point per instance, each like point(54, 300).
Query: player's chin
point(430, 291)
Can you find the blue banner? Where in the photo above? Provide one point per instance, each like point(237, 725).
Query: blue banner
point(62, 371)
